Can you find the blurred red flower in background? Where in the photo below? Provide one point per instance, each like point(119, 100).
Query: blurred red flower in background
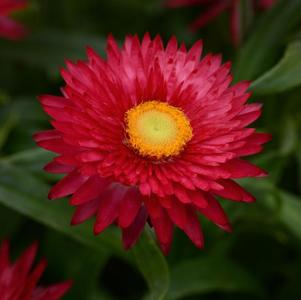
point(8, 28)
point(151, 133)
point(215, 7)
point(18, 281)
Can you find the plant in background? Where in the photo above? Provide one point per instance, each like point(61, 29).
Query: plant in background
point(216, 7)
point(18, 281)
point(8, 28)
point(151, 132)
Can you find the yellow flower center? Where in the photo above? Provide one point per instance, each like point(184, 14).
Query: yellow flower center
point(157, 129)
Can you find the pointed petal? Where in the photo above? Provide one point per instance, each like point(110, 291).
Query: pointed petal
point(215, 213)
point(185, 218)
point(129, 207)
point(164, 229)
point(242, 168)
point(108, 209)
point(25, 261)
point(233, 191)
point(90, 190)
point(53, 292)
point(67, 186)
point(85, 211)
point(131, 234)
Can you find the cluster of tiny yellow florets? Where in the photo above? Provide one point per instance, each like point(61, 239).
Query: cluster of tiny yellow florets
point(157, 129)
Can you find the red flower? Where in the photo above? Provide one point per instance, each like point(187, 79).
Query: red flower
point(19, 282)
point(8, 28)
point(216, 7)
point(151, 132)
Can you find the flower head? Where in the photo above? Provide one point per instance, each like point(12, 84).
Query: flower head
point(8, 28)
point(216, 7)
point(18, 281)
point(151, 134)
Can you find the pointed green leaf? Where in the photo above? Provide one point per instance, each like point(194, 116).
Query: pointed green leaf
point(285, 75)
point(153, 266)
point(258, 53)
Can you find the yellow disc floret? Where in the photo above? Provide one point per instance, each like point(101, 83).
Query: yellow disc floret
point(157, 129)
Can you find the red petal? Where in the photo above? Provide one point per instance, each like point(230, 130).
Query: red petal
point(193, 229)
point(164, 230)
point(85, 211)
point(177, 212)
point(182, 194)
point(241, 168)
point(4, 255)
point(53, 101)
point(25, 261)
point(233, 191)
point(108, 208)
point(185, 218)
point(215, 213)
point(259, 138)
point(131, 234)
point(57, 168)
point(32, 280)
point(129, 207)
point(55, 145)
point(153, 206)
point(249, 117)
point(47, 135)
point(53, 292)
point(198, 199)
point(91, 189)
point(67, 186)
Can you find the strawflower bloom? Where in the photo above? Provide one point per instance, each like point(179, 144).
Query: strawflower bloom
point(18, 281)
point(151, 134)
point(8, 28)
point(215, 7)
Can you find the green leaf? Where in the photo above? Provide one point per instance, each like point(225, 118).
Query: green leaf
point(32, 160)
point(258, 53)
point(49, 49)
point(283, 76)
point(206, 274)
point(153, 266)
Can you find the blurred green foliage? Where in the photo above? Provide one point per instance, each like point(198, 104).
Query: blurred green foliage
point(261, 259)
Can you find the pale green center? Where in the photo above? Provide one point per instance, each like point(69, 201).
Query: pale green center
point(157, 127)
